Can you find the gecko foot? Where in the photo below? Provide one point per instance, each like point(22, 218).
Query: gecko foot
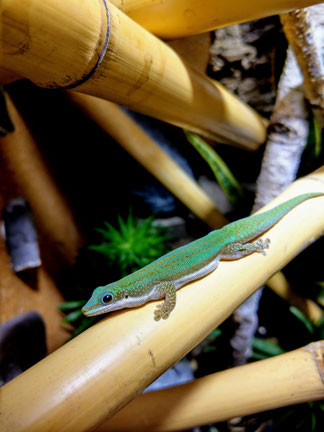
point(161, 311)
point(168, 291)
point(261, 245)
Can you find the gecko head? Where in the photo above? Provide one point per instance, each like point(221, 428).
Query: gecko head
point(109, 298)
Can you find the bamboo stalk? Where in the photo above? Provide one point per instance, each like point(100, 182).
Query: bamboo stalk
point(6, 77)
point(53, 216)
point(90, 378)
point(136, 142)
point(56, 44)
point(133, 139)
point(178, 18)
point(287, 379)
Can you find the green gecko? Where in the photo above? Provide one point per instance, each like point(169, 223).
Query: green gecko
point(163, 277)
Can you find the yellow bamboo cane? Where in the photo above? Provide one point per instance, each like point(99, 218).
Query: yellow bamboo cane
point(178, 18)
point(279, 381)
point(90, 378)
point(132, 138)
point(104, 53)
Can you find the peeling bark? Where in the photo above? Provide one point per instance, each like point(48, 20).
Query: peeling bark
point(287, 135)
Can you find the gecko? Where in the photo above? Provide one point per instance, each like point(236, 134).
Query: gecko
point(163, 277)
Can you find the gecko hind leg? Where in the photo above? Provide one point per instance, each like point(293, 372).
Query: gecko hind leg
point(168, 291)
point(238, 250)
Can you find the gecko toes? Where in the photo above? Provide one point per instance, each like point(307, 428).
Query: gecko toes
point(161, 311)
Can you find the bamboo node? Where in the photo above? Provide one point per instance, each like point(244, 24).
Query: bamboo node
point(88, 75)
point(317, 350)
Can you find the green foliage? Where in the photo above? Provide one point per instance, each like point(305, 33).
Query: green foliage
point(128, 247)
point(210, 339)
point(263, 349)
point(224, 176)
point(302, 318)
point(320, 295)
point(132, 245)
point(304, 417)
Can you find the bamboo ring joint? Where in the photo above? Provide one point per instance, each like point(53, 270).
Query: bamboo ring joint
point(100, 58)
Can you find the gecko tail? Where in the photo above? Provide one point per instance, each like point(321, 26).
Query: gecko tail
point(251, 227)
point(269, 218)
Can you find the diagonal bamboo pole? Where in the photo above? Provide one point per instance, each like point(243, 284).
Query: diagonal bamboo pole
point(90, 378)
point(136, 142)
point(112, 119)
point(132, 138)
point(178, 18)
point(104, 53)
point(287, 379)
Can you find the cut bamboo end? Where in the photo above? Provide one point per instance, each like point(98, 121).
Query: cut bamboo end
point(135, 141)
point(284, 380)
point(136, 69)
point(178, 18)
point(90, 378)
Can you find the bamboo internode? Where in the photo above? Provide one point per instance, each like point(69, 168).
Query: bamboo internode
point(287, 379)
point(178, 18)
point(93, 376)
point(59, 44)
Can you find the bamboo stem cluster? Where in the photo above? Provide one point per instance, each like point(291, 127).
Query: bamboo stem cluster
point(54, 47)
point(93, 376)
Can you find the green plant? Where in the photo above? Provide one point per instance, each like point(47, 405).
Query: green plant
point(127, 248)
point(133, 244)
point(223, 175)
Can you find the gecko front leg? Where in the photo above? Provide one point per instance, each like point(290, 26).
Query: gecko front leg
point(168, 291)
point(238, 250)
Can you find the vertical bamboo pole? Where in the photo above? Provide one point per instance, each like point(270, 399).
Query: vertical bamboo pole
point(58, 44)
point(178, 18)
point(90, 378)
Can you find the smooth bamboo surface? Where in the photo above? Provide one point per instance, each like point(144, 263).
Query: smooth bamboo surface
point(279, 381)
point(90, 378)
point(132, 138)
point(178, 18)
point(56, 43)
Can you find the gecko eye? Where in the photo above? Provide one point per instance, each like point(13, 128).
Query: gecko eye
point(106, 298)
